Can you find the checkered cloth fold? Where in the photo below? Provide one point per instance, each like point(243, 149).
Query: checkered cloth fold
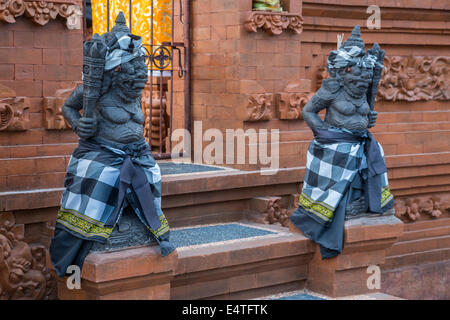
point(89, 205)
point(330, 169)
point(341, 167)
point(101, 181)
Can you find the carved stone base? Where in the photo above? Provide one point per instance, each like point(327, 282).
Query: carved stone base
point(23, 271)
point(365, 244)
point(130, 232)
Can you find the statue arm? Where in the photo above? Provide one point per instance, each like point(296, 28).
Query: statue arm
point(84, 127)
point(311, 110)
point(72, 106)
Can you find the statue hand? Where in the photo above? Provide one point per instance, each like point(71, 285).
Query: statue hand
point(86, 127)
point(372, 118)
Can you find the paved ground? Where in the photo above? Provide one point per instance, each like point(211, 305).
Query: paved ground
point(168, 168)
point(309, 295)
point(191, 236)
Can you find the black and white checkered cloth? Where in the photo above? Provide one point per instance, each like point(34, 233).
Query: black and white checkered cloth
point(330, 168)
point(92, 189)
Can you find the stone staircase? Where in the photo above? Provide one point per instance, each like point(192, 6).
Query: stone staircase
point(243, 268)
point(422, 242)
point(224, 254)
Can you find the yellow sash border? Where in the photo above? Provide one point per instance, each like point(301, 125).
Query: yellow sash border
point(81, 224)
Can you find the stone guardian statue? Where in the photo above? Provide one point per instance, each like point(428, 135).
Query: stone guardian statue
point(346, 174)
point(112, 168)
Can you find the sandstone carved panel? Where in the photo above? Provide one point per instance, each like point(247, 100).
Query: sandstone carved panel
point(291, 105)
point(274, 22)
point(40, 12)
point(413, 209)
point(14, 111)
point(54, 119)
point(156, 129)
point(293, 99)
point(273, 210)
point(415, 78)
point(259, 107)
point(23, 271)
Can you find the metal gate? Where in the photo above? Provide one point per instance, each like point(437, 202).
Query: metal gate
point(164, 60)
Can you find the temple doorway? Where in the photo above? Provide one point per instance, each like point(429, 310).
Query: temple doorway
point(164, 28)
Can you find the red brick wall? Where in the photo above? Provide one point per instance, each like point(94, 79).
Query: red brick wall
point(35, 61)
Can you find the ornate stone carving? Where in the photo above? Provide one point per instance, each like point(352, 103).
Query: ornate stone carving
point(412, 209)
point(129, 232)
point(23, 272)
point(415, 78)
point(154, 129)
point(274, 22)
point(54, 119)
point(275, 214)
point(41, 12)
point(14, 115)
point(73, 15)
point(259, 107)
point(293, 98)
point(6, 115)
point(273, 210)
point(9, 9)
point(291, 105)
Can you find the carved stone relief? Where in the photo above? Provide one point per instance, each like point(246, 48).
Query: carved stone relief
point(273, 210)
point(40, 12)
point(413, 209)
point(23, 271)
point(54, 119)
point(295, 96)
point(415, 78)
point(14, 111)
point(156, 128)
point(259, 107)
point(274, 23)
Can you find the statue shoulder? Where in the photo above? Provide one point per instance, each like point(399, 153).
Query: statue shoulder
point(77, 92)
point(330, 86)
point(328, 91)
point(75, 100)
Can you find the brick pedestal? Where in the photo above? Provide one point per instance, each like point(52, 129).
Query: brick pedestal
point(365, 244)
point(131, 274)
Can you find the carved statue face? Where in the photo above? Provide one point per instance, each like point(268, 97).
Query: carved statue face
point(357, 79)
point(129, 78)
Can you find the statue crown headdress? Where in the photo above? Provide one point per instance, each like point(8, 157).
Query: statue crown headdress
point(352, 52)
point(354, 40)
point(122, 45)
point(120, 24)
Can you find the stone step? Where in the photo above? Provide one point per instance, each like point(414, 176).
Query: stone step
point(419, 245)
point(251, 266)
point(415, 116)
point(414, 258)
point(426, 233)
point(309, 295)
point(420, 225)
